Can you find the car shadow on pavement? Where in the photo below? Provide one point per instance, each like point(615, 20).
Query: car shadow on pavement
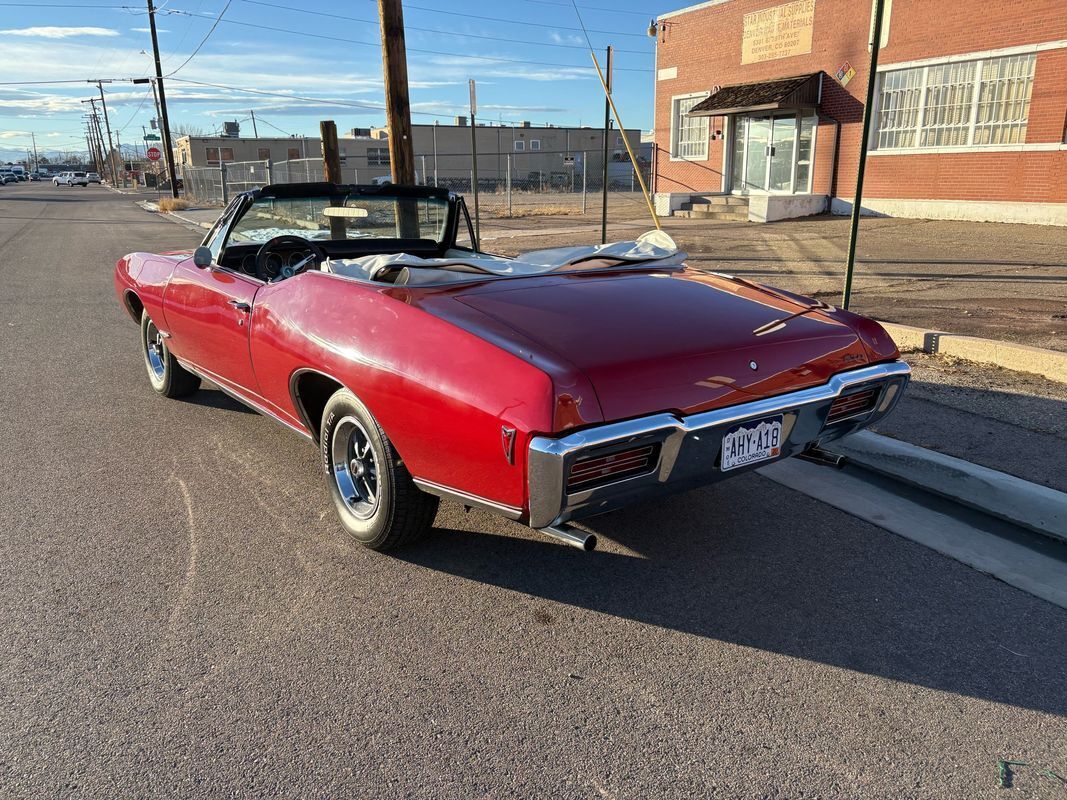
point(757, 565)
point(211, 396)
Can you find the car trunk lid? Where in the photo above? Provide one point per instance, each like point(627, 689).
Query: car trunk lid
point(685, 342)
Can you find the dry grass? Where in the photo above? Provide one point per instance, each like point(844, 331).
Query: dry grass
point(535, 211)
point(168, 204)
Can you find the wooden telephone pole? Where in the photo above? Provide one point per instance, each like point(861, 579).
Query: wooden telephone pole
point(397, 105)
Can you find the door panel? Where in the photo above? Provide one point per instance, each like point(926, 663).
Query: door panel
point(783, 140)
point(209, 311)
point(737, 165)
point(759, 142)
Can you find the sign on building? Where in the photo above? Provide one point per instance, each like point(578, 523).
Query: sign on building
point(777, 32)
point(846, 73)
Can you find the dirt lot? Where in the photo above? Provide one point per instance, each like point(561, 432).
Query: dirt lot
point(985, 279)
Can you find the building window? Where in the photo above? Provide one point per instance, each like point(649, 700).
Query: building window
point(264, 154)
point(293, 154)
point(959, 104)
point(535, 144)
point(689, 135)
point(213, 154)
point(377, 156)
point(520, 145)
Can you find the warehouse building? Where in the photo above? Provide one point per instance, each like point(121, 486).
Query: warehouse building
point(549, 155)
point(759, 105)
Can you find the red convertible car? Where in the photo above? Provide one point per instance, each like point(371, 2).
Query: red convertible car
point(546, 388)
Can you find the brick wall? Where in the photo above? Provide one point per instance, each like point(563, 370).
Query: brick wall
point(705, 47)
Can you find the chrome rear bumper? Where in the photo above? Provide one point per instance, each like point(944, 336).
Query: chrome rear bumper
point(689, 447)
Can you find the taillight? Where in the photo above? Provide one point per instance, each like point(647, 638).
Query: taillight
point(851, 405)
point(595, 470)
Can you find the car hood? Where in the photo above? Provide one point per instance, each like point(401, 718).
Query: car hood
point(675, 341)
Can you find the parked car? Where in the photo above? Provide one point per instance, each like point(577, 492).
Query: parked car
point(71, 179)
point(545, 388)
point(34, 176)
point(8, 177)
point(92, 177)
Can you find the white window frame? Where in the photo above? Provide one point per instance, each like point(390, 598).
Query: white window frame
point(520, 145)
point(675, 118)
point(979, 61)
point(535, 144)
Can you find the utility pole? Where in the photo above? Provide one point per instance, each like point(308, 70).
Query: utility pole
point(331, 167)
point(164, 123)
point(89, 144)
point(607, 129)
point(474, 167)
point(36, 163)
point(107, 125)
point(397, 104)
point(94, 127)
point(857, 201)
point(255, 131)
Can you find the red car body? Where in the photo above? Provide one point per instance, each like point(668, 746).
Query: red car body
point(466, 378)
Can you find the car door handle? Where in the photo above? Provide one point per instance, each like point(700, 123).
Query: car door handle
point(240, 305)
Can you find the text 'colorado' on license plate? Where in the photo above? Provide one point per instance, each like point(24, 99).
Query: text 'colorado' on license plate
point(749, 442)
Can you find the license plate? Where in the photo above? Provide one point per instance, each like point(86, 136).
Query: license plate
point(751, 442)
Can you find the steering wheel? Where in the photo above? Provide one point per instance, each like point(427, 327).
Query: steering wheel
point(268, 272)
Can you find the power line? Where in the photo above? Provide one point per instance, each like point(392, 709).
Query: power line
point(203, 41)
point(437, 31)
point(590, 8)
point(513, 21)
point(350, 41)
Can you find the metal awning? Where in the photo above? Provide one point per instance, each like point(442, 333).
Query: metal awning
point(801, 91)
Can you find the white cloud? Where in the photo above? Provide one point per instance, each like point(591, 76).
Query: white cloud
point(570, 38)
point(53, 32)
point(149, 30)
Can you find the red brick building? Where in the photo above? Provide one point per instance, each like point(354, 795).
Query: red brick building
point(760, 102)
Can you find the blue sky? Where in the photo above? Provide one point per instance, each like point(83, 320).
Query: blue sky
point(528, 56)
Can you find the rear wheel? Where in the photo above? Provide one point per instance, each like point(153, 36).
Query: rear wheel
point(167, 376)
point(376, 500)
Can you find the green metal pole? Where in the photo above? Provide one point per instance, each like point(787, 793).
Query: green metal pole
point(857, 203)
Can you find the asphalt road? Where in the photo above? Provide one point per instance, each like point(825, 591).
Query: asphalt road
point(183, 617)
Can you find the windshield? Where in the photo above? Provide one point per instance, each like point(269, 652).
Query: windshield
point(343, 217)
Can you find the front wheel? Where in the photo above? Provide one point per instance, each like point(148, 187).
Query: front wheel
point(376, 500)
point(167, 376)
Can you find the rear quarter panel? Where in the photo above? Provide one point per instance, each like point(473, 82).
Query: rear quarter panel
point(440, 393)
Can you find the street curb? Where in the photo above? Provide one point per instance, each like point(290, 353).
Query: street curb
point(1050, 364)
point(186, 220)
point(998, 494)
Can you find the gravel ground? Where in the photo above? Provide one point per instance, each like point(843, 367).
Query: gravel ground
point(1015, 422)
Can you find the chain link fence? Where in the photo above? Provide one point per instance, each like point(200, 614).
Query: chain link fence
point(509, 184)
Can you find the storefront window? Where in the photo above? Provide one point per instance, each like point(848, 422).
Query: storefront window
point(804, 147)
point(959, 104)
point(689, 134)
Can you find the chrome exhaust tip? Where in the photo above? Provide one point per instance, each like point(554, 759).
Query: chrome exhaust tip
point(816, 455)
point(571, 536)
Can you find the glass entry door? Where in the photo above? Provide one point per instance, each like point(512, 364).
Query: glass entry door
point(771, 153)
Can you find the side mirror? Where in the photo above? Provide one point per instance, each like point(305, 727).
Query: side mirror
point(202, 256)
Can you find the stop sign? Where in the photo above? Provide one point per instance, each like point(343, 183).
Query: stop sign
point(153, 153)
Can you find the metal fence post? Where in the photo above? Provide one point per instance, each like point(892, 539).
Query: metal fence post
point(424, 181)
point(222, 174)
point(585, 174)
point(270, 171)
point(507, 183)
